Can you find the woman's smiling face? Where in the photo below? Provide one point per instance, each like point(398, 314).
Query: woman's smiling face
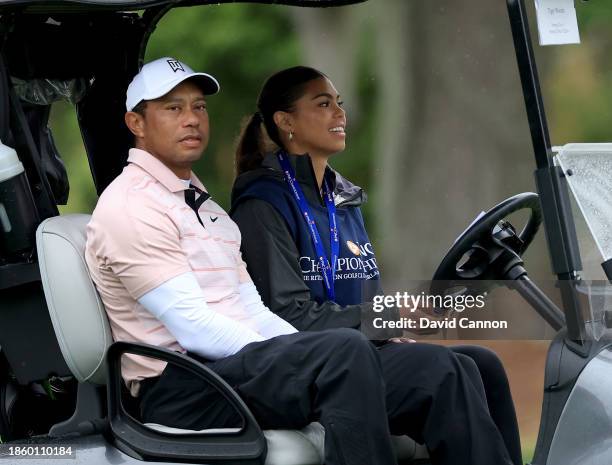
point(317, 121)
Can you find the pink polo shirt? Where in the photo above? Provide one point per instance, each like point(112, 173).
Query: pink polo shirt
point(141, 234)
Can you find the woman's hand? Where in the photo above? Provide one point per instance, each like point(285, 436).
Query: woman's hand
point(402, 340)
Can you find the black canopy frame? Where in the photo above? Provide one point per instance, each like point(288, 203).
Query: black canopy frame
point(64, 6)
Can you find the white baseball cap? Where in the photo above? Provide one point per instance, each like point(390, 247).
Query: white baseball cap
point(159, 77)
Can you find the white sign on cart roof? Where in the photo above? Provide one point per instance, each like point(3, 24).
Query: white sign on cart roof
point(557, 22)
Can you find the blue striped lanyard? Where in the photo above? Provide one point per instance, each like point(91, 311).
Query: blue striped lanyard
point(328, 269)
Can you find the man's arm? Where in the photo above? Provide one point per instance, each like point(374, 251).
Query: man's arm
point(268, 324)
point(180, 305)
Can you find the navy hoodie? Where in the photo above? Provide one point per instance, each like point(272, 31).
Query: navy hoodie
point(280, 255)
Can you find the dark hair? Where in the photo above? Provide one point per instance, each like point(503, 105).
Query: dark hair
point(279, 93)
point(140, 107)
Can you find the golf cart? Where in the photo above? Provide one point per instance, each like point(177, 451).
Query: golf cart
point(68, 355)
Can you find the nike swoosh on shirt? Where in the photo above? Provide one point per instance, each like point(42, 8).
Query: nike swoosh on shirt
point(214, 219)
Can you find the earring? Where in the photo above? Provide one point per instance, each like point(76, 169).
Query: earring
point(290, 135)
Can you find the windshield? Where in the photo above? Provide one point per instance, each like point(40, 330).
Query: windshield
point(588, 170)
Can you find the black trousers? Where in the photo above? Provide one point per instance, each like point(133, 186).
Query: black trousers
point(497, 391)
point(333, 377)
point(359, 393)
point(431, 397)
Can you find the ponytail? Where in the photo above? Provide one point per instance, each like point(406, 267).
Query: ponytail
point(249, 153)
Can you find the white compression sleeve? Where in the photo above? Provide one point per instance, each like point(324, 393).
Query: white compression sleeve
point(268, 324)
point(180, 305)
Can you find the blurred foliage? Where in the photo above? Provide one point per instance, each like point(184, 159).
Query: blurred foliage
point(67, 136)
point(577, 79)
point(358, 160)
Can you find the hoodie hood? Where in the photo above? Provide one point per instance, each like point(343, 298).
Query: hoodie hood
point(346, 194)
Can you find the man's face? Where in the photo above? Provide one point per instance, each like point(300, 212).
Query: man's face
point(174, 128)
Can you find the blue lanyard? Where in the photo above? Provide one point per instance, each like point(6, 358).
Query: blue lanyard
point(328, 270)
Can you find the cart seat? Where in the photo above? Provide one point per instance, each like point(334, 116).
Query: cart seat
point(83, 332)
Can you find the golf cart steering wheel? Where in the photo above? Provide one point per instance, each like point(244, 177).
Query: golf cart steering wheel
point(490, 249)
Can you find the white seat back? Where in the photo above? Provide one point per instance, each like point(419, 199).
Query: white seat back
point(76, 311)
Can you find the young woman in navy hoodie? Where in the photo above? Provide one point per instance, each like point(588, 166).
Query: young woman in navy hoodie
point(308, 252)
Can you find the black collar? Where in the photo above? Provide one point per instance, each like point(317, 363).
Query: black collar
point(304, 174)
point(345, 192)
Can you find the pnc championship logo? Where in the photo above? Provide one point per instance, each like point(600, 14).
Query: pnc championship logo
point(354, 248)
point(360, 265)
point(176, 65)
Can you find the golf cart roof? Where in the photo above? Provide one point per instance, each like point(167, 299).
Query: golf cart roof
point(39, 6)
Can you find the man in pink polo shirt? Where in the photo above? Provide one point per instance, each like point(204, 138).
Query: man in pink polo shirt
point(166, 261)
